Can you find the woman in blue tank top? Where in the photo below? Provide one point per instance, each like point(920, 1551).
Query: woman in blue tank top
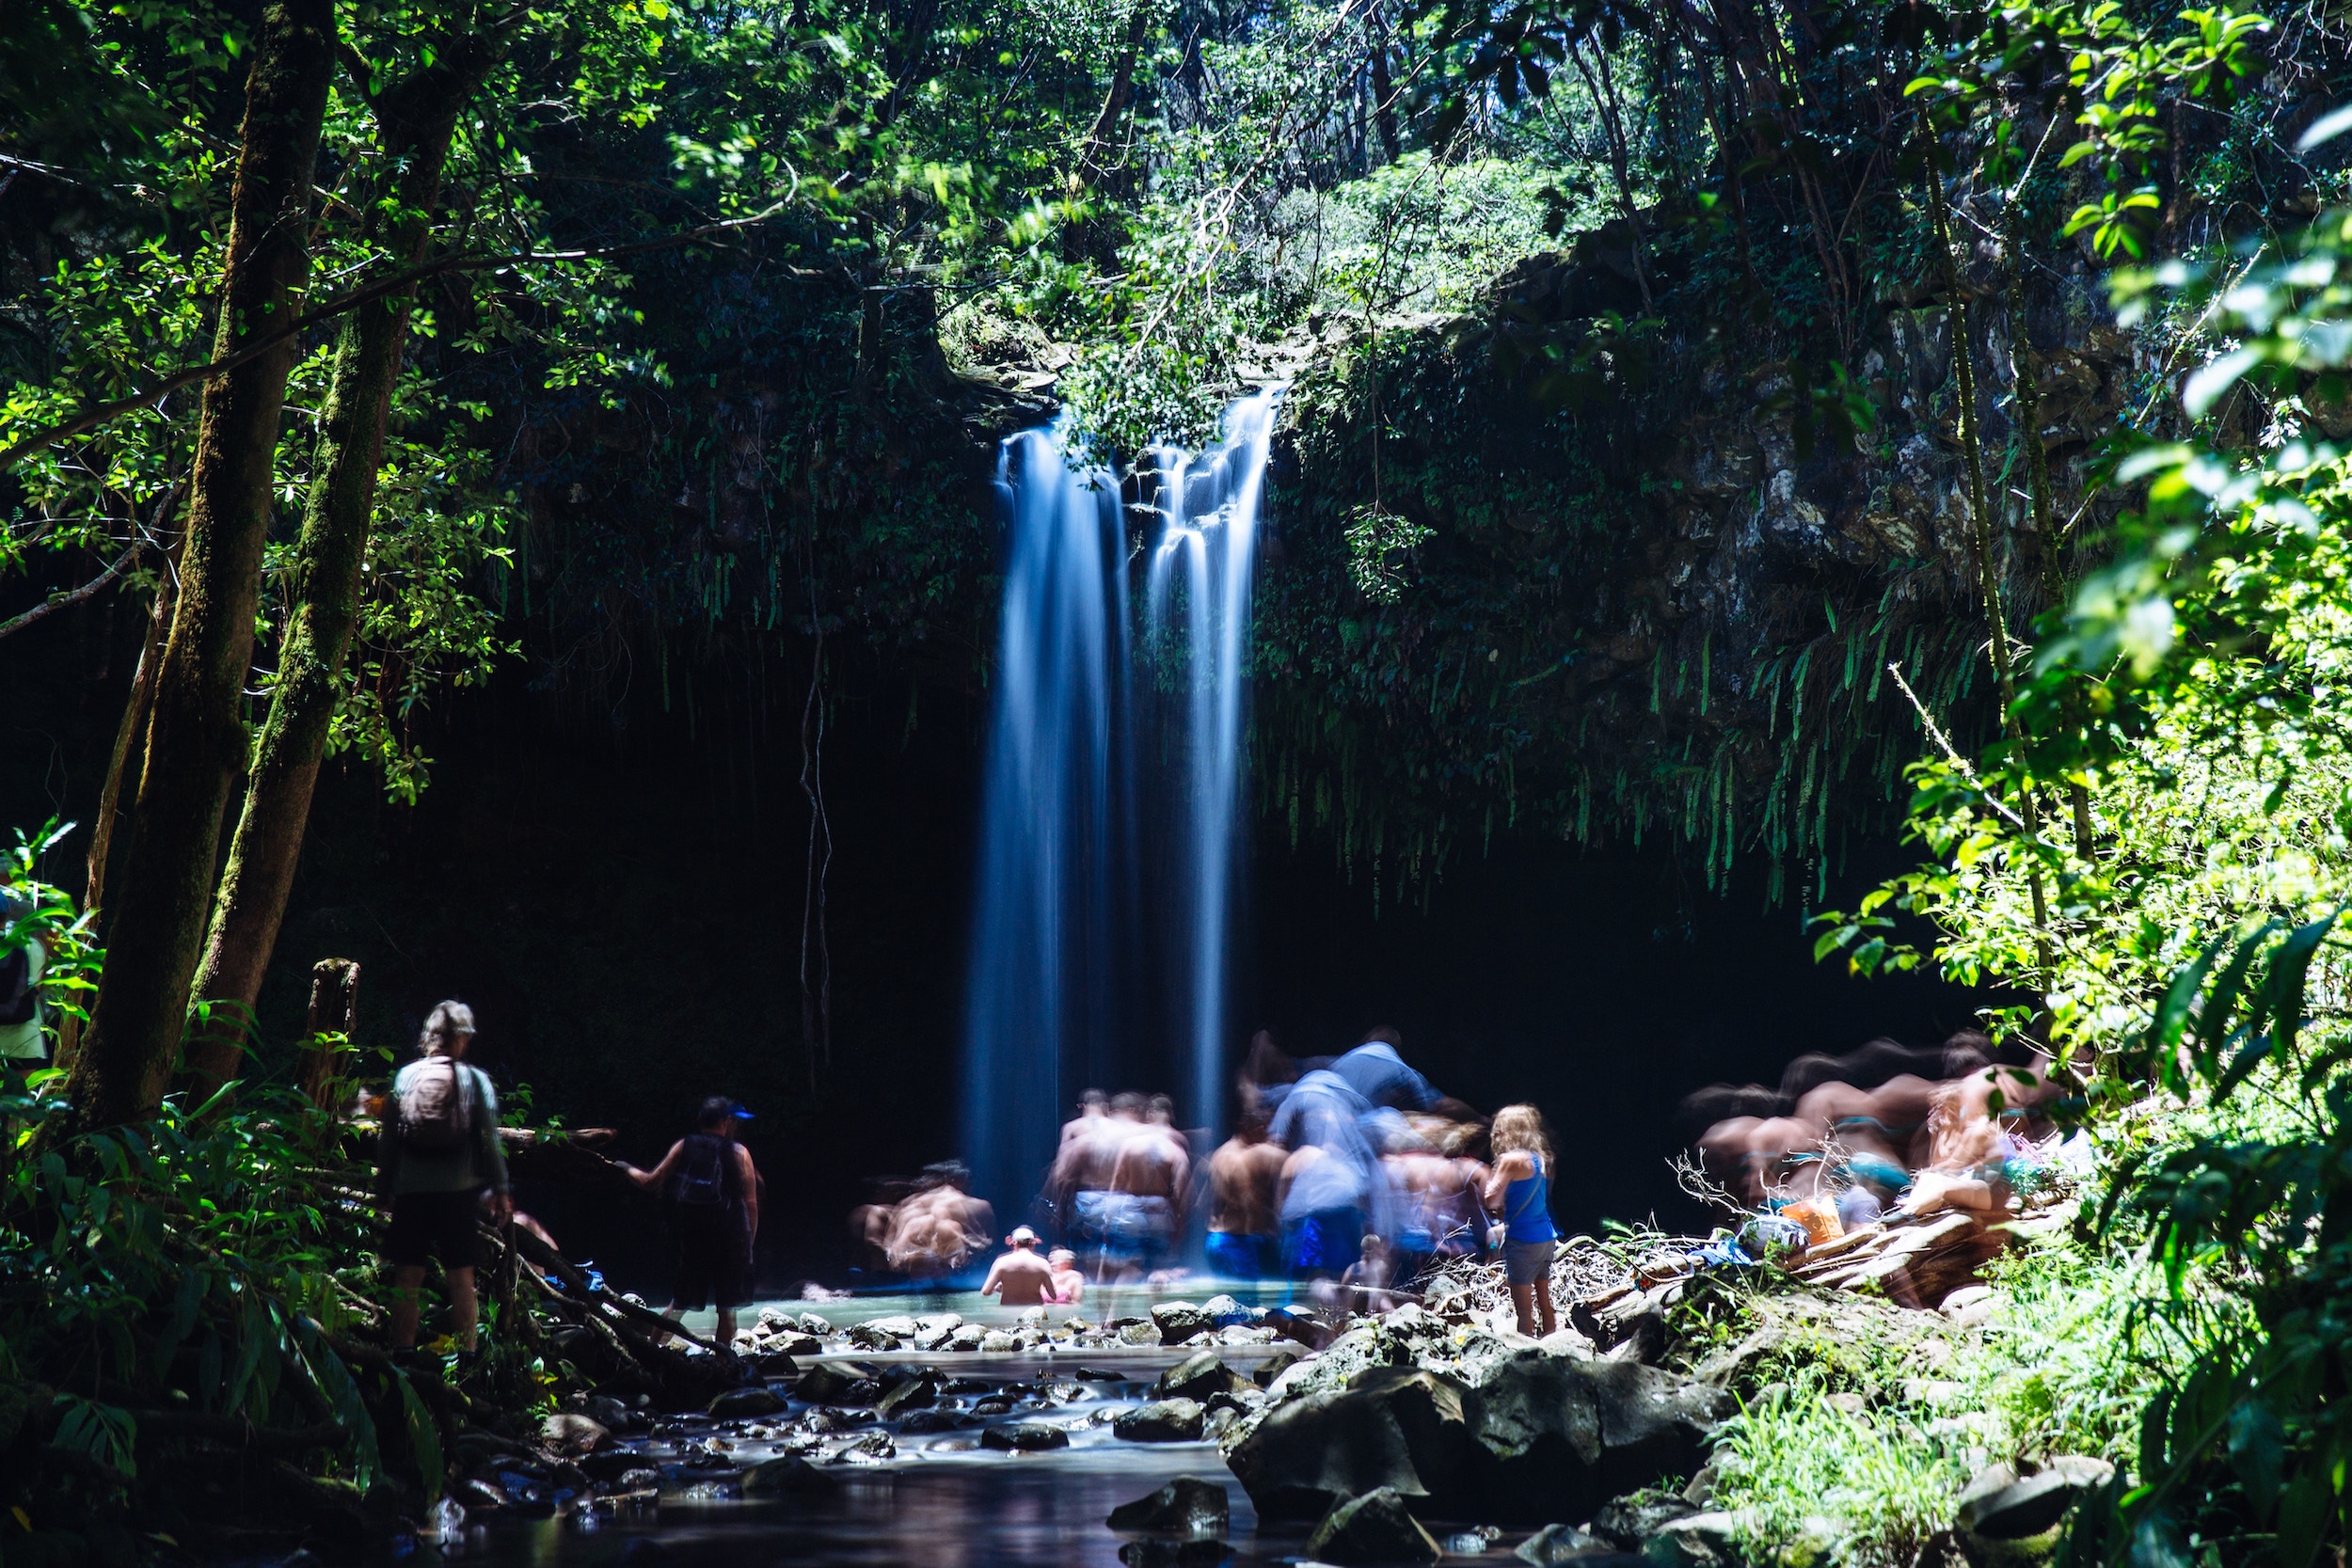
point(1520, 1191)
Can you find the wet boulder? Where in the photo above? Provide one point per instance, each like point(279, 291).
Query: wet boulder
point(1024, 1437)
point(742, 1405)
point(1189, 1505)
point(874, 1337)
point(1557, 1544)
point(1161, 1421)
point(965, 1336)
point(811, 1323)
point(1694, 1541)
point(909, 1394)
point(1199, 1376)
point(1629, 1522)
point(920, 1422)
point(1178, 1321)
point(1394, 1427)
point(572, 1435)
point(1561, 1434)
point(1999, 1505)
point(1375, 1528)
point(831, 1381)
point(788, 1475)
point(1156, 1552)
point(1272, 1367)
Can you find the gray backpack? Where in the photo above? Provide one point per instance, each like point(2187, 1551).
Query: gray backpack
point(436, 1109)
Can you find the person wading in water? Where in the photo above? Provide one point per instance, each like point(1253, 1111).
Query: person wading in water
point(440, 1151)
point(711, 1179)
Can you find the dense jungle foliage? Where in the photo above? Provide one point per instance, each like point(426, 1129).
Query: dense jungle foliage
point(1703, 418)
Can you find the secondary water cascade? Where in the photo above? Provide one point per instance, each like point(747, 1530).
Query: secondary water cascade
point(1110, 829)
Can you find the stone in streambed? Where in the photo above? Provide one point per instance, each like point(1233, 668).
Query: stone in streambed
point(1630, 1521)
point(572, 1435)
point(1153, 1552)
point(1562, 1434)
point(872, 1336)
point(1998, 1506)
point(1178, 1321)
point(1272, 1367)
point(967, 1337)
point(1024, 1437)
point(1394, 1427)
point(1189, 1505)
point(997, 1342)
point(742, 1405)
point(1161, 1421)
point(1557, 1544)
point(1199, 1376)
point(1694, 1541)
point(831, 1381)
point(787, 1475)
point(1375, 1528)
point(912, 1394)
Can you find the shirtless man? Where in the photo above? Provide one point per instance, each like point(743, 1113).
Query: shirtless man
point(1245, 1238)
point(1074, 1157)
point(1436, 1200)
point(937, 1228)
point(1086, 1170)
point(1020, 1278)
point(1148, 1179)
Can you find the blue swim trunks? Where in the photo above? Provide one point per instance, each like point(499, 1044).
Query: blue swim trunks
point(1235, 1255)
point(1324, 1241)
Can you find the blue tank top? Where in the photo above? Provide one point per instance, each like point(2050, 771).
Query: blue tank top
point(1527, 1208)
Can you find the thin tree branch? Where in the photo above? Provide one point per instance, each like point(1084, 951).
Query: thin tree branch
point(262, 344)
point(73, 595)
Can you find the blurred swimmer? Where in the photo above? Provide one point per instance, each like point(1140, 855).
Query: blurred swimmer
point(1243, 1241)
point(1069, 1283)
point(1148, 1185)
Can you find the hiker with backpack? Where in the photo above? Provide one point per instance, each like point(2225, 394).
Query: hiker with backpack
point(710, 1178)
point(440, 1153)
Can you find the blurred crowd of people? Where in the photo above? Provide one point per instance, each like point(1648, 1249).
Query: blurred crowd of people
point(1842, 1139)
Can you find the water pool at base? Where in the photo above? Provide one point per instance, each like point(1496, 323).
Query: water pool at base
point(939, 1501)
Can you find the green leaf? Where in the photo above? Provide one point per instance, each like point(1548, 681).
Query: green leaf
point(2258, 1453)
point(2303, 1511)
point(424, 1439)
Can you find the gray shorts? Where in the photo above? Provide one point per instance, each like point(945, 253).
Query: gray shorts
point(1527, 1262)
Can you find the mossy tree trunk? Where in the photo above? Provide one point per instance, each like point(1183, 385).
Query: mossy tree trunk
point(196, 736)
point(418, 120)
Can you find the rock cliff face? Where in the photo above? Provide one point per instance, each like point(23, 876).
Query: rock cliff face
point(1643, 582)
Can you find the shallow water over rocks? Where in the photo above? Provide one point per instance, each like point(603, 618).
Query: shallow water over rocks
point(923, 1485)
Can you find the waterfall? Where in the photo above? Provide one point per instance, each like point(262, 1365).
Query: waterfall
point(1208, 544)
point(1110, 832)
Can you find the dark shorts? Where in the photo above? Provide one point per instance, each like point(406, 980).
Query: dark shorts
point(710, 1261)
point(1235, 1255)
point(1324, 1241)
point(435, 1225)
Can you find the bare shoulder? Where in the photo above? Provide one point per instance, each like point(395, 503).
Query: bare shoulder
point(1517, 1163)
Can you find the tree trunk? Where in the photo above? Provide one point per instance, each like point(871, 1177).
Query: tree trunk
point(128, 736)
point(334, 1010)
point(418, 118)
point(196, 738)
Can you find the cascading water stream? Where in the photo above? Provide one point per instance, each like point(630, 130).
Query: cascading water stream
point(1207, 549)
point(1085, 775)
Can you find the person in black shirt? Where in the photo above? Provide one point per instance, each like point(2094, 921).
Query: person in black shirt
point(711, 1179)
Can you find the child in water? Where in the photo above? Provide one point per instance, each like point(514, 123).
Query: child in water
point(1067, 1285)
